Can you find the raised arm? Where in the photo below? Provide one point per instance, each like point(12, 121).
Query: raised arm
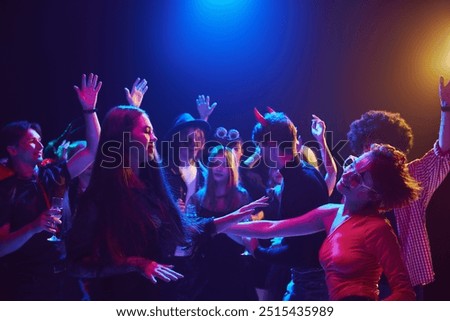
point(318, 130)
point(444, 129)
point(204, 108)
point(87, 95)
point(309, 223)
point(137, 93)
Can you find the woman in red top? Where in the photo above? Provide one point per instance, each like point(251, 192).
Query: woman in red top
point(360, 244)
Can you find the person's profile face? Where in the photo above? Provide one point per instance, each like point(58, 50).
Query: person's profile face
point(237, 150)
point(29, 149)
point(144, 138)
point(191, 141)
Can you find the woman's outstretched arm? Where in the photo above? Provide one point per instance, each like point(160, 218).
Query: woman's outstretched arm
point(309, 223)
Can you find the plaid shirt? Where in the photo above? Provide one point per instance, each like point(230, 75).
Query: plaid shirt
point(429, 171)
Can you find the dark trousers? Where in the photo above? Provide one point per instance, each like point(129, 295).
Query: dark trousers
point(307, 285)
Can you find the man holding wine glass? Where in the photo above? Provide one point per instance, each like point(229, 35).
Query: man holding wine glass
point(30, 266)
point(55, 212)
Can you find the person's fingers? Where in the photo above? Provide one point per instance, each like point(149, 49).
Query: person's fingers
point(142, 84)
point(257, 203)
point(127, 92)
point(94, 81)
point(99, 86)
point(152, 279)
point(136, 82)
point(89, 80)
point(161, 275)
point(55, 220)
point(173, 275)
point(170, 266)
point(83, 80)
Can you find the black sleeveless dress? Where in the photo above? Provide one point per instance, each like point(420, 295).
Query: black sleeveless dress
point(227, 272)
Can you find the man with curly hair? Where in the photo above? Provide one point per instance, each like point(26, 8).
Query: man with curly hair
point(390, 128)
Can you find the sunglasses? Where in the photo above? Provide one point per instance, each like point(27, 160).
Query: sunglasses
point(356, 177)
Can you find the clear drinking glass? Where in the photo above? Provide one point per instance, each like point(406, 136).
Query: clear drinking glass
point(191, 211)
point(57, 204)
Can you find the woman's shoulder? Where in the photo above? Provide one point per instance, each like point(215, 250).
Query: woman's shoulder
point(328, 212)
point(330, 207)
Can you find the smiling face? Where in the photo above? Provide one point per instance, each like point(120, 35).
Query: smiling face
point(29, 149)
point(144, 138)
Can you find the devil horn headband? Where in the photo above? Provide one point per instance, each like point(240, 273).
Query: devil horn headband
point(259, 117)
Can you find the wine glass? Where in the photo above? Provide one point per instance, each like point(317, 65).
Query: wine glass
point(191, 211)
point(56, 211)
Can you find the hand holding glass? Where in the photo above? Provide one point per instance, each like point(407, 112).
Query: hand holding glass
point(56, 212)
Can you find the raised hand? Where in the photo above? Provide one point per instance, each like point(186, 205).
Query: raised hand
point(444, 93)
point(89, 91)
point(137, 93)
point(204, 108)
point(62, 150)
point(318, 128)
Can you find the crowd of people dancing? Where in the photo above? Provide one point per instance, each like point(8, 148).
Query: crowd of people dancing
point(200, 215)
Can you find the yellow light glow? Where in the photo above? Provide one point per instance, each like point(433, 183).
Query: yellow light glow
point(448, 60)
point(442, 54)
point(433, 52)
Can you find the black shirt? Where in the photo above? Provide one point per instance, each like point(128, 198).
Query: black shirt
point(303, 189)
point(21, 202)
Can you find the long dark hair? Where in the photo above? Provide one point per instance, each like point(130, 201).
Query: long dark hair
point(135, 212)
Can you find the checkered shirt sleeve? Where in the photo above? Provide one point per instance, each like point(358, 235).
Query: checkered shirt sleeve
point(430, 171)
